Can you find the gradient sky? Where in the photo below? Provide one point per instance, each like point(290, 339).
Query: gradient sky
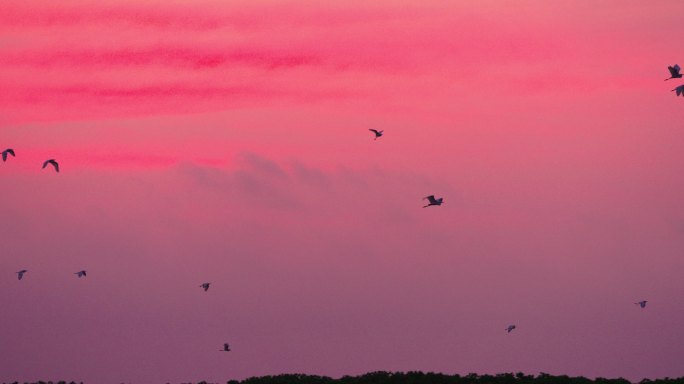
point(227, 142)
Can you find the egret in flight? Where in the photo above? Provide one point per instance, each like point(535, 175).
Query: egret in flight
point(431, 199)
point(80, 273)
point(674, 72)
point(20, 274)
point(226, 348)
point(7, 151)
point(510, 328)
point(205, 286)
point(641, 303)
point(377, 133)
point(53, 162)
point(679, 90)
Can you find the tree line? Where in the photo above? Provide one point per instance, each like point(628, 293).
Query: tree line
point(416, 377)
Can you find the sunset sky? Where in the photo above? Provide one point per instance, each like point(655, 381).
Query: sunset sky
point(227, 142)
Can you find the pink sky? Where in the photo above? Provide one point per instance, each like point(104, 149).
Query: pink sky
point(227, 142)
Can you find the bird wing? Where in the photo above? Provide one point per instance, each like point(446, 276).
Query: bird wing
point(676, 68)
point(431, 198)
point(374, 131)
point(10, 151)
point(46, 163)
point(679, 90)
point(673, 70)
point(4, 155)
point(56, 165)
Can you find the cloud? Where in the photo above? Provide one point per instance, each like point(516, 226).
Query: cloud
point(182, 57)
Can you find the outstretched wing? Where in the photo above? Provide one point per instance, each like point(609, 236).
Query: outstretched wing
point(7, 151)
point(46, 163)
point(430, 198)
point(374, 131)
point(674, 71)
point(56, 165)
point(679, 90)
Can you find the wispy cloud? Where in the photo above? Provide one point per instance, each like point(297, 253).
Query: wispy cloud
point(182, 57)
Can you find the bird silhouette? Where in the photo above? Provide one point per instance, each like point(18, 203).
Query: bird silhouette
point(226, 348)
point(642, 303)
point(679, 90)
point(53, 162)
point(377, 133)
point(674, 72)
point(205, 286)
point(7, 151)
point(20, 274)
point(510, 328)
point(81, 274)
point(432, 201)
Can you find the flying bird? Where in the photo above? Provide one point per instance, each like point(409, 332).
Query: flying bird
point(674, 72)
point(431, 199)
point(510, 328)
point(679, 90)
point(7, 151)
point(80, 273)
point(205, 286)
point(226, 348)
point(641, 303)
point(53, 162)
point(20, 274)
point(377, 133)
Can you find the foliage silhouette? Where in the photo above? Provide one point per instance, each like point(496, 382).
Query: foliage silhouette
point(417, 377)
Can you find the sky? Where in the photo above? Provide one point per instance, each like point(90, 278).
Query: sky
point(227, 142)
